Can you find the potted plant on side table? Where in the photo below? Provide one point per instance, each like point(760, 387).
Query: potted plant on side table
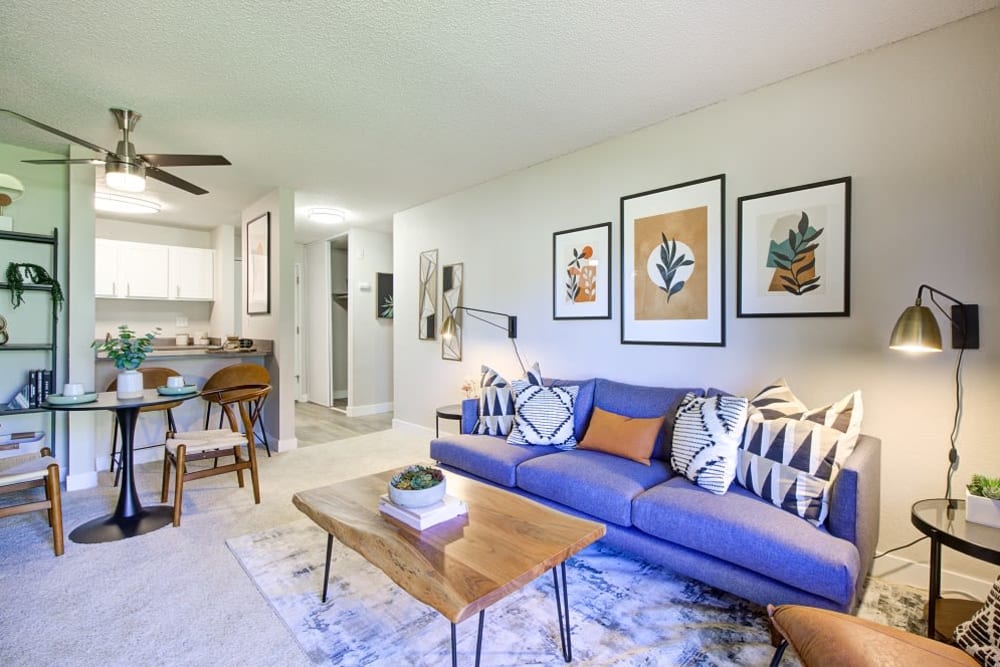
point(127, 351)
point(982, 500)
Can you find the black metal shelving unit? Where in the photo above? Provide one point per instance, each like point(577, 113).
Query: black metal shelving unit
point(53, 331)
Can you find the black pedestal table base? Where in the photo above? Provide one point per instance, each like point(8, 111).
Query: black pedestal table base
point(111, 528)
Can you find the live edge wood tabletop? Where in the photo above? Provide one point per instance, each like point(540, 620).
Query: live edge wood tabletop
point(464, 565)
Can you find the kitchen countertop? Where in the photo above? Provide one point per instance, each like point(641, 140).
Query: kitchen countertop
point(261, 348)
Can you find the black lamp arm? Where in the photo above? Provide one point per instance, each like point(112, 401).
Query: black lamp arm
point(934, 290)
point(511, 327)
point(964, 318)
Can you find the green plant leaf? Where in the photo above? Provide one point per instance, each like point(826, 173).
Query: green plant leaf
point(803, 224)
point(805, 267)
point(783, 265)
point(808, 289)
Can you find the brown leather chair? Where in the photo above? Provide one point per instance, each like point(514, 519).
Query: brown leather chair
point(43, 471)
point(235, 376)
point(824, 638)
point(152, 377)
point(183, 448)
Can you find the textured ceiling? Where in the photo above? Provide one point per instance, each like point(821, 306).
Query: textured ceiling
point(375, 107)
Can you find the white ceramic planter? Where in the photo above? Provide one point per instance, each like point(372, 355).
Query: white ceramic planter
point(417, 498)
point(982, 510)
point(129, 385)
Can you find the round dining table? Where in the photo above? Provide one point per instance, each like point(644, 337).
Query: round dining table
point(130, 518)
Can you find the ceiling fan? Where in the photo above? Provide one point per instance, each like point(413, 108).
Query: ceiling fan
point(124, 168)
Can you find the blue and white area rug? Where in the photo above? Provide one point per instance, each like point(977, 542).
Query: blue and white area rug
point(624, 611)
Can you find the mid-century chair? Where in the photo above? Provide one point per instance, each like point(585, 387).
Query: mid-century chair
point(183, 448)
point(152, 377)
point(41, 471)
point(235, 376)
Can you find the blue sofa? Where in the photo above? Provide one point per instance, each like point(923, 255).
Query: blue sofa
point(736, 542)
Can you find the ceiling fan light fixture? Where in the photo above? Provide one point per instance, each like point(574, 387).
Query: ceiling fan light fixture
point(125, 176)
point(332, 216)
point(112, 203)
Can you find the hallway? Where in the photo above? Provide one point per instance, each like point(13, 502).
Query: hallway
point(315, 425)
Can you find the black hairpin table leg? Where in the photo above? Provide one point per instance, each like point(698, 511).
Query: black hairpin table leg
point(479, 641)
point(562, 608)
point(326, 570)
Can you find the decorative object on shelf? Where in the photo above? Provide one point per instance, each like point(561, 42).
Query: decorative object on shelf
point(11, 189)
point(982, 500)
point(673, 265)
point(15, 275)
point(417, 486)
point(917, 331)
point(4, 336)
point(427, 298)
point(127, 351)
point(581, 273)
point(793, 255)
point(258, 253)
point(383, 296)
point(452, 280)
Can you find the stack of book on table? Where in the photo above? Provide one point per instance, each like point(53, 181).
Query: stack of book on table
point(424, 517)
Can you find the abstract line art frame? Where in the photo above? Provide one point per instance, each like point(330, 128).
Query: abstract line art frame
point(258, 261)
point(427, 296)
point(673, 273)
point(793, 255)
point(452, 280)
point(581, 273)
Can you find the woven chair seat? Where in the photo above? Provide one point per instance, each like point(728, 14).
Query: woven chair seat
point(203, 441)
point(36, 468)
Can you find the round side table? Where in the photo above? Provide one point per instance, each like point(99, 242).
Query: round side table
point(452, 412)
point(944, 522)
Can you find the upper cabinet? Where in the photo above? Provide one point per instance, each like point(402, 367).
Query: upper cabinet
point(127, 270)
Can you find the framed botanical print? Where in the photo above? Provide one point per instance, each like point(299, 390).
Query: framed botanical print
point(581, 273)
point(258, 261)
point(793, 257)
point(673, 265)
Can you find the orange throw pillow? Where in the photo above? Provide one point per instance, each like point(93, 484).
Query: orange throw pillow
point(628, 437)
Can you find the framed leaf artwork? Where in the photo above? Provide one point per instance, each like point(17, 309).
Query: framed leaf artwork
point(793, 251)
point(581, 273)
point(673, 265)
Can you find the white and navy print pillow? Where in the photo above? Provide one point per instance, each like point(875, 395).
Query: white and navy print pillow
point(496, 404)
point(543, 415)
point(707, 437)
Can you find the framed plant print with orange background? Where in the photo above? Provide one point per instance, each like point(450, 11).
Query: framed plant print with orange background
point(581, 273)
point(673, 265)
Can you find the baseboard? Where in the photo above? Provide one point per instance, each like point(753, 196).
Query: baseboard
point(410, 427)
point(281, 445)
point(365, 410)
point(84, 480)
point(898, 570)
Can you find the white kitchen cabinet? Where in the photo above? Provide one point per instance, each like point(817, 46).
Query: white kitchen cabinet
point(105, 267)
point(192, 273)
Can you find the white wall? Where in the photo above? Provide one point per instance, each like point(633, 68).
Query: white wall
point(225, 309)
point(370, 341)
point(916, 124)
point(279, 324)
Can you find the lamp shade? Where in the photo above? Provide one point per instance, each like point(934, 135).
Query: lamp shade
point(916, 330)
point(448, 328)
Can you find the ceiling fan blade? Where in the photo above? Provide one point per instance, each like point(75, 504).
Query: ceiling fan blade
point(177, 160)
point(58, 133)
point(85, 160)
point(170, 179)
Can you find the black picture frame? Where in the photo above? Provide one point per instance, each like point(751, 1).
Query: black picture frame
point(258, 265)
point(569, 264)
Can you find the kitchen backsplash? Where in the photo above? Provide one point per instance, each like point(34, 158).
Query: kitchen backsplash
point(143, 316)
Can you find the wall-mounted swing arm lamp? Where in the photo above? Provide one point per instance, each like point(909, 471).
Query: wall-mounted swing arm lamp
point(917, 330)
point(448, 328)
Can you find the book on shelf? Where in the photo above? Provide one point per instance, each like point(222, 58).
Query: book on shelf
point(33, 386)
point(424, 517)
point(46, 384)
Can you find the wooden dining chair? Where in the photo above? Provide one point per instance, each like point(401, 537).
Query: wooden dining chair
point(235, 376)
point(40, 471)
point(152, 377)
point(184, 448)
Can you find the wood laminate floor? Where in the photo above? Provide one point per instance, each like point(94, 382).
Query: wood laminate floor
point(315, 424)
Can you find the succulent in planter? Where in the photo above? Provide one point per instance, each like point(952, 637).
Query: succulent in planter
point(985, 487)
point(417, 477)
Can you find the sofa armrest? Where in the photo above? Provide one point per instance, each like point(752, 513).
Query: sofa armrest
point(470, 414)
point(855, 500)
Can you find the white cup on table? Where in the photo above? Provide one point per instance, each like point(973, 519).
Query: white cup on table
point(175, 381)
point(72, 389)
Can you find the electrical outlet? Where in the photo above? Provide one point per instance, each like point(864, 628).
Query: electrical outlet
point(182, 321)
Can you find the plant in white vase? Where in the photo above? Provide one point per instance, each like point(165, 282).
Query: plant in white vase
point(128, 351)
point(982, 500)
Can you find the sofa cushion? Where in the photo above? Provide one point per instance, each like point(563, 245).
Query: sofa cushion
point(791, 455)
point(638, 401)
point(598, 484)
point(583, 406)
point(707, 436)
point(543, 415)
point(484, 456)
point(629, 437)
point(496, 404)
point(740, 528)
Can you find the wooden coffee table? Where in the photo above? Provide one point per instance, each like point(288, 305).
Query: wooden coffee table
point(462, 566)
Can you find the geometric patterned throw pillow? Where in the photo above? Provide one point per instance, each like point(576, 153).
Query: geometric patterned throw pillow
point(980, 635)
point(791, 455)
point(707, 436)
point(543, 415)
point(496, 404)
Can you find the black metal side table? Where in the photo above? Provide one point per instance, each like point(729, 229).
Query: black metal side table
point(453, 412)
point(944, 522)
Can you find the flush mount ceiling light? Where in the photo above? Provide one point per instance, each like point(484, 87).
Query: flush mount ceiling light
point(125, 176)
point(331, 216)
point(112, 203)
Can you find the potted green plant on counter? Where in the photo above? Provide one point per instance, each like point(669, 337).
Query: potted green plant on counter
point(982, 500)
point(128, 351)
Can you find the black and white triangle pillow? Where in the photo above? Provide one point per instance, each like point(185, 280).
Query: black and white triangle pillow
point(707, 436)
point(543, 415)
